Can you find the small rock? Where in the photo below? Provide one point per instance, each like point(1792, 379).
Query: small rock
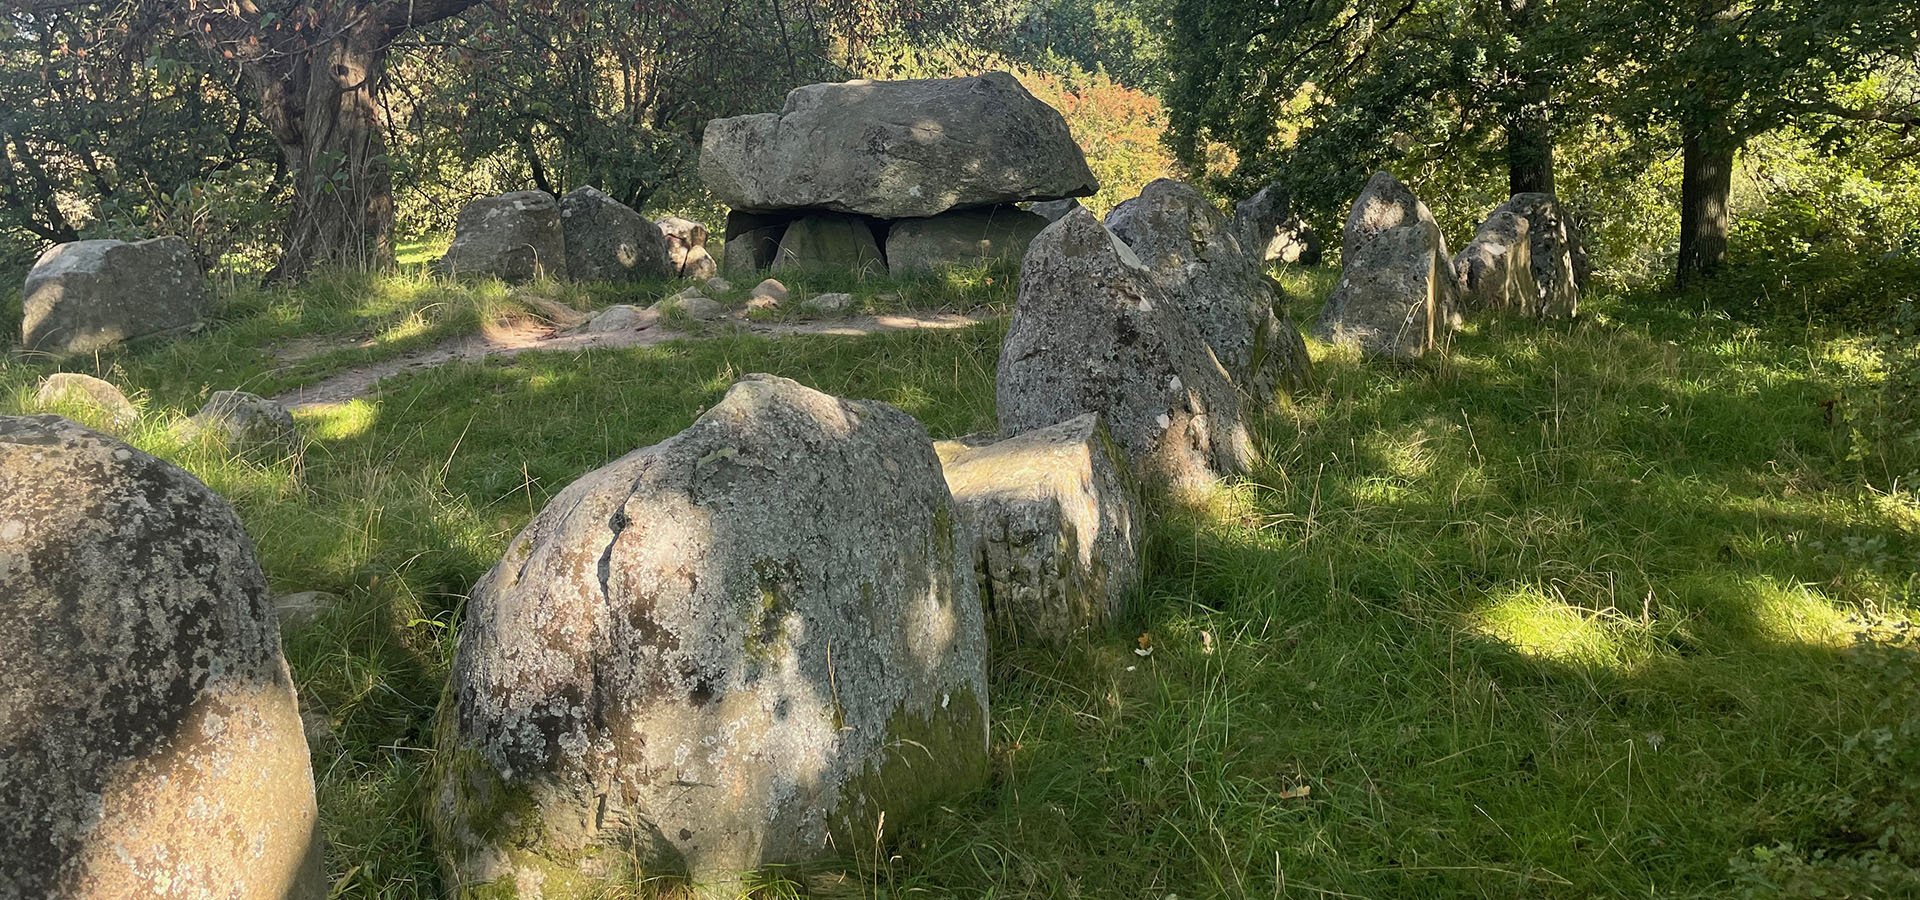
point(303, 608)
point(692, 304)
point(716, 285)
point(622, 317)
point(829, 304)
point(687, 248)
point(73, 388)
point(771, 288)
point(246, 419)
point(762, 303)
point(1052, 210)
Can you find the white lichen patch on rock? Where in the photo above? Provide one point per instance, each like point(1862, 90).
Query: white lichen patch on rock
point(740, 646)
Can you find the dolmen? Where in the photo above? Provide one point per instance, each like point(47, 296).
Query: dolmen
point(746, 645)
point(919, 173)
point(150, 740)
point(84, 296)
point(1397, 292)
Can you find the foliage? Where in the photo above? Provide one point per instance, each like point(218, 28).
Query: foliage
point(1120, 128)
point(1122, 39)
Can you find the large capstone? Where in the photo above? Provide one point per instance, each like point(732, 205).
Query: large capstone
point(896, 149)
point(607, 241)
point(1092, 331)
point(1396, 291)
point(515, 237)
point(1054, 529)
point(1495, 271)
point(1192, 253)
point(1270, 230)
point(741, 646)
point(87, 295)
point(969, 237)
point(1557, 253)
point(150, 743)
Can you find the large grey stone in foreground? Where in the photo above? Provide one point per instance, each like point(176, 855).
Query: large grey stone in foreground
point(1270, 230)
point(967, 237)
point(687, 248)
point(717, 653)
point(828, 241)
point(896, 149)
point(1093, 332)
point(1054, 529)
point(1496, 271)
point(87, 295)
point(1187, 244)
point(1396, 291)
point(607, 241)
point(1557, 253)
point(150, 743)
point(516, 237)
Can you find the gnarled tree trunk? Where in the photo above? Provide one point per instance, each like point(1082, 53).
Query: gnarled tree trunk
point(1706, 189)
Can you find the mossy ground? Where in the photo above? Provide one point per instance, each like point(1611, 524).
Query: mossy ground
point(1607, 609)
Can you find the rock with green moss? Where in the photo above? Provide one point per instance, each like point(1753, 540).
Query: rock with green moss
point(150, 741)
point(1053, 525)
point(738, 647)
point(1201, 266)
point(1093, 331)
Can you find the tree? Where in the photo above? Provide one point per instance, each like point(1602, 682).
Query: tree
point(317, 67)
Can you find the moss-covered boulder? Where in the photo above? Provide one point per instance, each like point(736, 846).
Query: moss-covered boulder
point(150, 742)
point(1055, 541)
point(738, 647)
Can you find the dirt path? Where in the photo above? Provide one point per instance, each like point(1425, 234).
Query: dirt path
point(514, 340)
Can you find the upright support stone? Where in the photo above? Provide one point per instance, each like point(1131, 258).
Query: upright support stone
point(1396, 291)
point(1495, 272)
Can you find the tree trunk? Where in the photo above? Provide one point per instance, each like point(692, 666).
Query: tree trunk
point(1705, 189)
point(342, 211)
point(1528, 125)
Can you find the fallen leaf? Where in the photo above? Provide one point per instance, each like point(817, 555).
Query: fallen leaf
point(1296, 793)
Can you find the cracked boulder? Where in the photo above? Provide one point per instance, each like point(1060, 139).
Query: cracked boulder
point(1191, 250)
point(1395, 296)
point(1495, 271)
point(896, 149)
point(687, 248)
point(1556, 252)
point(741, 646)
point(150, 742)
point(1053, 526)
point(1092, 331)
point(515, 237)
point(87, 295)
point(607, 241)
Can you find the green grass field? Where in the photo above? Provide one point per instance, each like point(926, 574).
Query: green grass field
point(1608, 609)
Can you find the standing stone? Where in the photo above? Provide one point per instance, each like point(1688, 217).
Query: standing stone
point(968, 237)
point(687, 248)
point(1052, 210)
point(896, 149)
point(73, 388)
point(607, 241)
point(515, 237)
point(1496, 270)
point(829, 241)
point(1557, 253)
point(88, 295)
point(717, 653)
point(752, 251)
point(1269, 229)
point(1093, 332)
point(1054, 529)
point(150, 743)
point(1396, 291)
point(1187, 244)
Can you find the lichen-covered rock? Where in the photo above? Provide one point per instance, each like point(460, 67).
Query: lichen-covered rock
point(1053, 525)
point(1496, 270)
point(150, 743)
point(1396, 291)
point(1052, 210)
point(723, 651)
point(516, 237)
point(87, 295)
point(1092, 331)
point(75, 389)
point(828, 241)
point(1192, 253)
point(896, 149)
point(1270, 230)
point(828, 304)
point(1557, 253)
point(622, 317)
point(246, 419)
point(967, 237)
point(691, 304)
point(607, 241)
point(687, 248)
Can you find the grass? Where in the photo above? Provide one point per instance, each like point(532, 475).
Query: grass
point(1607, 609)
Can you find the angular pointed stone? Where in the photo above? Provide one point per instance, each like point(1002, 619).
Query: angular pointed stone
point(1396, 291)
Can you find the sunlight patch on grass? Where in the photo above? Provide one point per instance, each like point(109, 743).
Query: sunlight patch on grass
point(1548, 628)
